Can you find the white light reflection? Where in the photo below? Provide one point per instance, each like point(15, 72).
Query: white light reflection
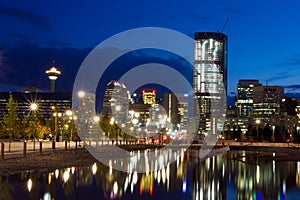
point(207, 162)
point(201, 194)
point(223, 170)
point(163, 175)
point(168, 176)
point(29, 184)
point(66, 176)
point(47, 196)
point(56, 173)
point(131, 188)
point(94, 168)
point(73, 170)
point(213, 163)
point(213, 190)
point(182, 155)
point(257, 174)
point(49, 178)
point(115, 188)
point(161, 161)
point(184, 186)
point(110, 167)
point(273, 166)
point(284, 187)
point(134, 178)
point(158, 176)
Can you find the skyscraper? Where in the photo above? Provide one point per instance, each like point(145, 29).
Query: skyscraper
point(266, 102)
point(210, 79)
point(244, 98)
point(116, 99)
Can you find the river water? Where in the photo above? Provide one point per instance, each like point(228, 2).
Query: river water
point(235, 175)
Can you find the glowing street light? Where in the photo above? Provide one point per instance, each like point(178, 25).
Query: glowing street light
point(81, 94)
point(69, 113)
point(96, 119)
point(33, 107)
point(257, 124)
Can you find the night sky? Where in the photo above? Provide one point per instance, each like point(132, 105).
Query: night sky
point(263, 36)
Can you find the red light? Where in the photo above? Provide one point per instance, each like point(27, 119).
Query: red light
point(141, 188)
point(151, 189)
point(153, 91)
point(143, 91)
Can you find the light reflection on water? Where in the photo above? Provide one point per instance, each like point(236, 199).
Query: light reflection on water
point(237, 175)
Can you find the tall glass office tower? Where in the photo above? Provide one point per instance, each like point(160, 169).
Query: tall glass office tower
point(210, 79)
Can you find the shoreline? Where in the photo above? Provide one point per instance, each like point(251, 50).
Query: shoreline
point(51, 160)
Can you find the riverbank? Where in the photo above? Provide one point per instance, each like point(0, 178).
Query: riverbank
point(49, 160)
point(266, 153)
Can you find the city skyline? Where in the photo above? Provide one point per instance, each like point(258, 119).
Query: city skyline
point(261, 37)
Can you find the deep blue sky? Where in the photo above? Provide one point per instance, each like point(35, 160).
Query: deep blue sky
point(263, 35)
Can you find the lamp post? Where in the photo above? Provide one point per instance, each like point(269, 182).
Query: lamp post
point(273, 133)
point(257, 125)
point(56, 115)
point(112, 122)
point(69, 114)
point(33, 108)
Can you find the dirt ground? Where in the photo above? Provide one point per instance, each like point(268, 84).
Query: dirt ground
point(49, 160)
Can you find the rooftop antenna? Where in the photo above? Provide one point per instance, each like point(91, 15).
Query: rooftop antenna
point(224, 26)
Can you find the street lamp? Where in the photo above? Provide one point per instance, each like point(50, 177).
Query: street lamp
point(112, 122)
point(273, 133)
point(257, 124)
point(56, 115)
point(81, 94)
point(33, 108)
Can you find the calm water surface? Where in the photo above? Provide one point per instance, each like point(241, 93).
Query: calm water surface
point(237, 175)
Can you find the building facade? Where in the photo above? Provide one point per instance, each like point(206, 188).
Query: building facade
point(46, 102)
point(266, 103)
point(244, 97)
point(210, 79)
point(116, 100)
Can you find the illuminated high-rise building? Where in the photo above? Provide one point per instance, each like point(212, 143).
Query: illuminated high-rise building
point(116, 99)
point(176, 107)
point(266, 103)
point(210, 79)
point(149, 96)
point(244, 98)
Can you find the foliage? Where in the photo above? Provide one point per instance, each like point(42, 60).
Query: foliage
point(11, 123)
point(36, 130)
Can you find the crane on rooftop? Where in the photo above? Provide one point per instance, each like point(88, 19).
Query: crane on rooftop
point(224, 26)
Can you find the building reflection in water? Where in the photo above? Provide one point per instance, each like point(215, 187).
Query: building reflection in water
point(254, 176)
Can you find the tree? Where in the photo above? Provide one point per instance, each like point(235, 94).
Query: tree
point(36, 130)
point(11, 123)
point(268, 132)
